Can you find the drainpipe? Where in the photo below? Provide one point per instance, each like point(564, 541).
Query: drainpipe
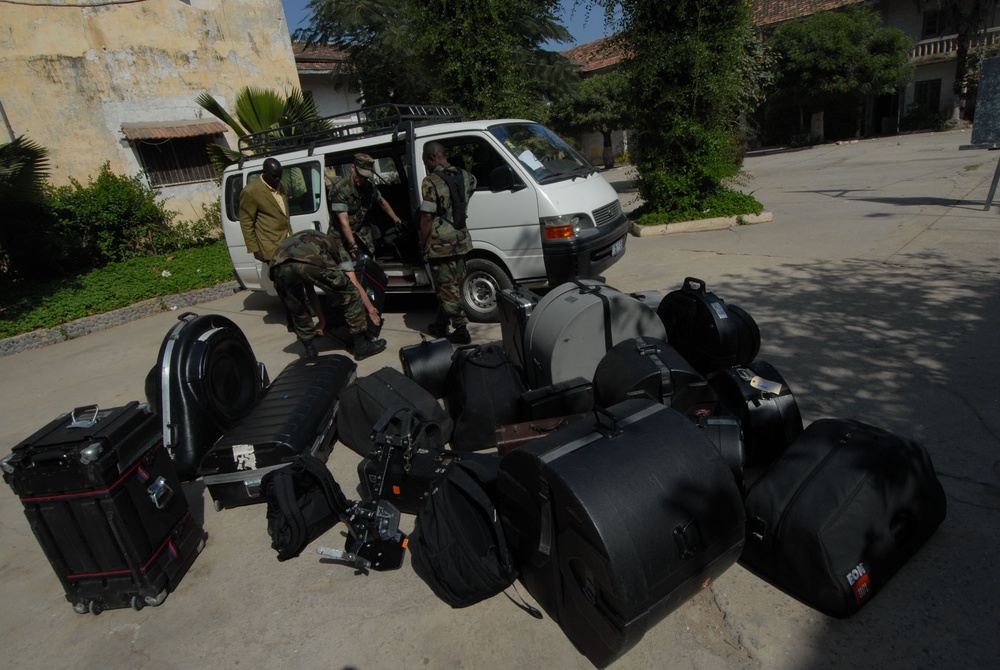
point(6, 122)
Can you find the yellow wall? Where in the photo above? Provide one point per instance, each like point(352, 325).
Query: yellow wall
point(71, 76)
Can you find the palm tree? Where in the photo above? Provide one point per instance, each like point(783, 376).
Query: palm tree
point(258, 110)
point(24, 170)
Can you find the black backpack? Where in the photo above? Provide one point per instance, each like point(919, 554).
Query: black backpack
point(459, 198)
point(457, 545)
point(303, 502)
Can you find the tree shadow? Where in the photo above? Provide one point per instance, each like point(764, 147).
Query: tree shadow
point(912, 350)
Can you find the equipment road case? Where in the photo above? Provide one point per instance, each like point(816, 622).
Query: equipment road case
point(297, 415)
point(104, 501)
point(616, 522)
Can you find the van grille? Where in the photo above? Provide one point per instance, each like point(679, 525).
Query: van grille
point(610, 212)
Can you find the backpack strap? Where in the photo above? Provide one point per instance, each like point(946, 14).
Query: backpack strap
point(456, 187)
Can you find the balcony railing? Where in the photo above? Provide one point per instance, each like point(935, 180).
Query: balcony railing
point(940, 48)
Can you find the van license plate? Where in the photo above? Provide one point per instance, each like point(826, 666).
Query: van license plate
point(618, 247)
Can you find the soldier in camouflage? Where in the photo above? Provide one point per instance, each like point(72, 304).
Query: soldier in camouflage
point(442, 245)
point(351, 199)
point(306, 260)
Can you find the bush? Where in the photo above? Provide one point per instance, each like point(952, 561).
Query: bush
point(114, 218)
point(921, 118)
point(722, 202)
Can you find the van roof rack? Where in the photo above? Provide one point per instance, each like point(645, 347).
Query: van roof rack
point(353, 125)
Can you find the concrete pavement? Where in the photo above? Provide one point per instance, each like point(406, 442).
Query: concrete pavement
point(876, 291)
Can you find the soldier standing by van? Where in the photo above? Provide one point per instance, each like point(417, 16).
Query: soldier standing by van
point(350, 201)
point(305, 260)
point(264, 212)
point(444, 239)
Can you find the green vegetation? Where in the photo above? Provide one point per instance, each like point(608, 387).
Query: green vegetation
point(693, 73)
point(28, 306)
point(483, 55)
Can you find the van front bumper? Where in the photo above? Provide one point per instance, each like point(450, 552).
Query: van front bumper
point(584, 258)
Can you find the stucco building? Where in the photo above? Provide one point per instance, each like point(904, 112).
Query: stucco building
point(99, 82)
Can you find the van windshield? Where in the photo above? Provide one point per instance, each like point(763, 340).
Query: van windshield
point(546, 155)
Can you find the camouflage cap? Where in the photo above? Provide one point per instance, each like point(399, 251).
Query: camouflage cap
point(364, 164)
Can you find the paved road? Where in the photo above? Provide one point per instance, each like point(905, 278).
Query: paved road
point(876, 291)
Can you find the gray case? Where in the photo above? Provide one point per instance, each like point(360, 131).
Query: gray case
point(576, 323)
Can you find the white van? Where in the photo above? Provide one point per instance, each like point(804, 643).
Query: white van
point(540, 214)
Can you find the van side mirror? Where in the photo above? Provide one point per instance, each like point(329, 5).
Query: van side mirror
point(503, 179)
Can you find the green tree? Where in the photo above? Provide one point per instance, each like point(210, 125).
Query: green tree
point(691, 79)
point(597, 105)
point(257, 110)
point(25, 225)
point(484, 55)
point(846, 54)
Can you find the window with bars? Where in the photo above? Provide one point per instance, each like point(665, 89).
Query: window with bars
point(176, 160)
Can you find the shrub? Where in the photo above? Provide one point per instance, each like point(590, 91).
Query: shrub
point(113, 217)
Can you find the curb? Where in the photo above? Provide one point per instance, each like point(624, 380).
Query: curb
point(718, 223)
point(92, 324)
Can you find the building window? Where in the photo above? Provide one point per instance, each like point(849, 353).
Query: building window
point(180, 160)
point(935, 24)
point(927, 95)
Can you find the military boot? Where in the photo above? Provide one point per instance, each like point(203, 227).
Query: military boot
point(460, 336)
point(365, 346)
point(310, 348)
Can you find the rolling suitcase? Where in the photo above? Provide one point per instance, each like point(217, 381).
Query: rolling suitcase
point(573, 396)
point(428, 363)
point(837, 515)
point(576, 323)
point(645, 367)
point(483, 391)
point(516, 305)
point(103, 499)
point(206, 378)
point(705, 330)
point(364, 401)
point(374, 281)
point(617, 522)
point(759, 397)
point(297, 415)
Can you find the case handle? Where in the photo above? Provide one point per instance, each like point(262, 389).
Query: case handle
point(88, 416)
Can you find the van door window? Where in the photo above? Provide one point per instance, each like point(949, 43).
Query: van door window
point(475, 155)
point(304, 183)
point(234, 186)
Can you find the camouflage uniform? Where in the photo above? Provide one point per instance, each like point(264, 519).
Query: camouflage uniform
point(357, 202)
point(307, 258)
point(446, 247)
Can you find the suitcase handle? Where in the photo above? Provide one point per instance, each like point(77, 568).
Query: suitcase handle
point(86, 419)
point(613, 428)
point(690, 282)
point(160, 493)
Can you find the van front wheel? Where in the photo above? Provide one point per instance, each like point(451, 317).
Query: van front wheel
point(483, 282)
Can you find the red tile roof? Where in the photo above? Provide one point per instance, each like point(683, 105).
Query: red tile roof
point(318, 57)
point(595, 56)
point(770, 12)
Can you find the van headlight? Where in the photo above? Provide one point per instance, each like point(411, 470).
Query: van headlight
point(566, 226)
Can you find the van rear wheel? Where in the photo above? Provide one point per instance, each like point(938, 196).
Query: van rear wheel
point(480, 288)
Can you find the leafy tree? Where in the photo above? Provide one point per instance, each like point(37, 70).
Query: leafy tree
point(831, 56)
point(598, 105)
point(24, 227)
point(257, 110)
point(484, 55)
point(691, 77)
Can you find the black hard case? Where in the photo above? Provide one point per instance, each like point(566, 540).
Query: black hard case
point(374, 281)
point(516, 305)
point(106, 505)
point(484, 387)
point(428, 363)
point(646, 367)
point(616, 523)
point(206, 378)
point(705, 330)
point(770, 418)
point(573, 396)
point(364, 401)
point(409, 479)
point(297, 415)
point(837, 515)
